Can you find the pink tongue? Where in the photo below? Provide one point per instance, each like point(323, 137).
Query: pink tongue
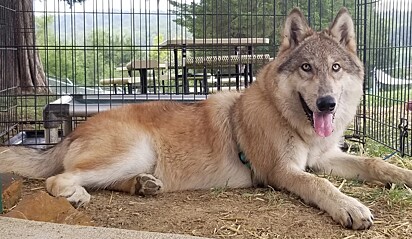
point(323, 124)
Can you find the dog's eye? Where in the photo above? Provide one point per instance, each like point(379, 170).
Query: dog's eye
point(336, 67)
point(306, 67)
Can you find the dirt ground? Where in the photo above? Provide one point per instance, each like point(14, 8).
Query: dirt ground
point(247, 213)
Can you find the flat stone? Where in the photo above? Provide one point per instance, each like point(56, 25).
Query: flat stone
point(11, 185)
point(45, 208)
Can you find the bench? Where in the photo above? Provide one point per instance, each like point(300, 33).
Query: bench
point(214, 83)
point(124, 83)
point(143, 66)
point(217, 61)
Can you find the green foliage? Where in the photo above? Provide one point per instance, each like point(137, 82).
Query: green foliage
point(96, 54)
point(103, 53)
point(155, 52)
point(228, 18)
point(55, 58)
point(87, 61)
point(32, 107)
point(264, 18)
point(245, 18)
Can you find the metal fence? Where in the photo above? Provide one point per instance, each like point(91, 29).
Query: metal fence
point(8, 74)
point(100, 54)
point(388, 62)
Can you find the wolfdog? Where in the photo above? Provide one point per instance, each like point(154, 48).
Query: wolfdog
point(290, 119)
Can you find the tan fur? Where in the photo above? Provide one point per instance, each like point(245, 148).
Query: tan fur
point(166, 146)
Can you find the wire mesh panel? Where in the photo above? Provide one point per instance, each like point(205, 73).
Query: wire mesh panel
point(96, 54)
point(8, 78)
point(76, 58)
point(388, 92)
point(85, 48)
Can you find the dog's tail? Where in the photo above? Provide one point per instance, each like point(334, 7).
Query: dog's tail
point(29, 162)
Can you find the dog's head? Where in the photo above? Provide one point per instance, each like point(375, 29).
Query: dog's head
point(319, 76)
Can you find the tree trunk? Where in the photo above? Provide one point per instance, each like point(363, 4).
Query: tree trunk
point(30, 69)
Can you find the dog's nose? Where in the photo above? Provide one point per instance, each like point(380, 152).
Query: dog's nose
point(326, 104)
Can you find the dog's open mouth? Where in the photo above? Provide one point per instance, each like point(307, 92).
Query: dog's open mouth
point(308, 112)
point(322, 122)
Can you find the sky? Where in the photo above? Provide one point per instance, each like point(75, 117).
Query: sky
point(405, 5)
point(101, 5)
point(106, 5)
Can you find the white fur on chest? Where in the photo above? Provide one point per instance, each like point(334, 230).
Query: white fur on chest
point(320, 146)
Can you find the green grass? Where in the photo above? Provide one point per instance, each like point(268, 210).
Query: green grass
point(397, 195)
point(375, 149)
point(388, 98)
point(394, 196)
point(30, 108)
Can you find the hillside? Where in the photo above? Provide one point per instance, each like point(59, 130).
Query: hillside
point(143, 27)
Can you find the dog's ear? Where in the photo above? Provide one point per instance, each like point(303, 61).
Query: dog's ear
point(343, 30)
point(295, 30)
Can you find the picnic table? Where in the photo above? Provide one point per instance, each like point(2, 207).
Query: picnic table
point(215, 43)
point(143, 66)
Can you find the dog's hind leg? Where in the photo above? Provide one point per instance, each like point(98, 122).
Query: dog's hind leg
point(113, 168)
point(143, 184)
point(70, 185)
point(362, 168)
point(127, 186)
point(121, 175)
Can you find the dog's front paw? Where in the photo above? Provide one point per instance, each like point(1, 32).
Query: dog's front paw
point(352, 214)
point(79, 197)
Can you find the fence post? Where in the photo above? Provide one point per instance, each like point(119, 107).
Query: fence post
point(365, 26)
point(403, 134)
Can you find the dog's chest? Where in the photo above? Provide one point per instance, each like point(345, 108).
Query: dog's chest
point(318, 147)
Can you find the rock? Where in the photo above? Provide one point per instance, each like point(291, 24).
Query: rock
point(43, 207)
point(11, 185)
